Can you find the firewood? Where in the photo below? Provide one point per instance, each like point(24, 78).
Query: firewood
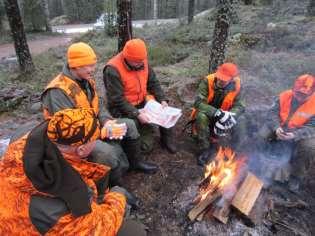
point(202, 205)
point(221, 213)
point(247, 194)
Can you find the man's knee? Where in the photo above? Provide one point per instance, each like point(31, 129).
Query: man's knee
point(202, 120)
point(306, 147)
point(132, 131)
point(104, 153)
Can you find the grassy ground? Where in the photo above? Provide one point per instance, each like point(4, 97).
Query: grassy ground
point(272, 45)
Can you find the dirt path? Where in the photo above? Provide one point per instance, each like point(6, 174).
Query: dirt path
point(36, 46)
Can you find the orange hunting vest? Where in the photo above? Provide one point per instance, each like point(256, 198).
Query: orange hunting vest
point(228, 100)
point(74, 92)
point(301, 116)
point(134, 82)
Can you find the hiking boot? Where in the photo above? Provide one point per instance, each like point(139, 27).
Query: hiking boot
point(132, 149)
point(294, 184)
point(167, 140)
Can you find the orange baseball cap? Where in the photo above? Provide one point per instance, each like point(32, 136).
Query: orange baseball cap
point(304, 84)
point(80, 54)
point(226, 71)
point(135, 50)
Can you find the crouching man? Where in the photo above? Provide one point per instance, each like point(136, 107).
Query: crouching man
point(217, 108)
point(130, 82)
point(293, 126)
point(48, 187)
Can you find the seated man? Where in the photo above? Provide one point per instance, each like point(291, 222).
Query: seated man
point(217, 107)
point(130, 82)
point(48, 187)
point(293, 126)
point(75, 88)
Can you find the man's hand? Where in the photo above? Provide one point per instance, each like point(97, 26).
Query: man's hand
point(112, 130)
point(164, 104)
point(282, 135)
point(143, 118)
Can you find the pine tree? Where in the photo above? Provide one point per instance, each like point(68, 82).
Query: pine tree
point(221, 32)
point(311, 8)
point(191, 10)
point(124, 10)
point(18, 34)
point(45, 9)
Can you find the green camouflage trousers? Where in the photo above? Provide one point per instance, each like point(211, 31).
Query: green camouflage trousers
point(205, 126)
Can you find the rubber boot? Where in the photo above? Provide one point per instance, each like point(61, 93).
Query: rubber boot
point(132, 149)
point(167, 140)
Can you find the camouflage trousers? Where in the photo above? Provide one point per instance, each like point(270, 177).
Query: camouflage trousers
point(204, 127)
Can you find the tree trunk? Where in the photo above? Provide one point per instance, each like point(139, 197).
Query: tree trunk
point(18, 34)
point(45, 8)
point(220, 35)
point(191, 11)
point(155, 9)
point(124, 22)
point(311, 8)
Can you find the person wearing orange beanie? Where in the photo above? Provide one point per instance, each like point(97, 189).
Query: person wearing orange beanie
point(292, 127)
point(217, 108)
point(75, 88)
point(130, 82)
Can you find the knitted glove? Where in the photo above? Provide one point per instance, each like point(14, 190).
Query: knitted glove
point(112, 130)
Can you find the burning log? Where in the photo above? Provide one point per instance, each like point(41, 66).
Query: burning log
point(220, 173)
point(220, 188)
point(202, 205)
point(222, 210)
point(247, 194)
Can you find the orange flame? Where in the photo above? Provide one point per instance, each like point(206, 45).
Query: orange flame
point(221, 172)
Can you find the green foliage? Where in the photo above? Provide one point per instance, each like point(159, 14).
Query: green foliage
point(165, 54)
point(110, 17)
point(33, 17)
point(83, 11)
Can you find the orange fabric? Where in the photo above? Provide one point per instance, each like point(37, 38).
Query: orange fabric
point(300, 116)
point(227, 71)
point(228, 101)
point(69, 123)
point(304, 84)
point(135, 50)
point(134, 82)
point(74, 92)
point(80, 54)
point(16, 189)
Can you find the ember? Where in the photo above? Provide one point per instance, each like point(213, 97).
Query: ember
point(221, 183)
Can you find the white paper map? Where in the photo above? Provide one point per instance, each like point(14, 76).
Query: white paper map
point(165, 117)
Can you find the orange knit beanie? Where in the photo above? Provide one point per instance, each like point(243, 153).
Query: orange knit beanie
point(304, 84)
point(135, 50)
point(226, 71)
point(80, 54)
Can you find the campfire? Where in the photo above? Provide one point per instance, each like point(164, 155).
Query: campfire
point(227, 182)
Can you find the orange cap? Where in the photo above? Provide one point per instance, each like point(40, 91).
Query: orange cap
point(80, 54)
point(135, 50)
point(226, 71)
point(304, 84)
